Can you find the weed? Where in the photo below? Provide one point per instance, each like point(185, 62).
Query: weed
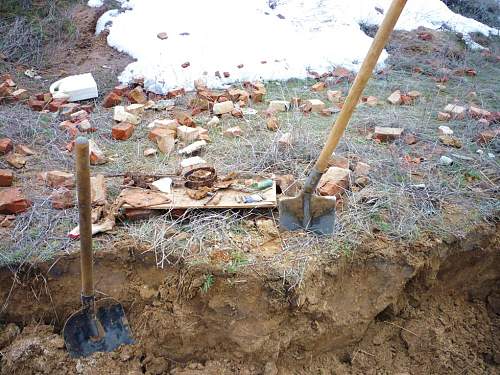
point(208, 282)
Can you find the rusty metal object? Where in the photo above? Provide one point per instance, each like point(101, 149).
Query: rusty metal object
point(197, 178)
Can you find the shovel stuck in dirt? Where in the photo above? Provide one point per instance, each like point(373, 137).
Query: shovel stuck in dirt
point(99, 326)
point(307, 210)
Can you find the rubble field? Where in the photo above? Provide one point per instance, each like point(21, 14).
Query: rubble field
point(185, 225)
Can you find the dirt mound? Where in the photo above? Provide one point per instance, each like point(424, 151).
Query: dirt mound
point(434, 310)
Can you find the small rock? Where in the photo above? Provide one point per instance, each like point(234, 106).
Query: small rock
point(395, 98)
point(16, 160)
point(98, 190)
point(385, 134)
point(272, 123)
point(443, 116)
point(233, 132)
point(12, 201)
point(445, 130)
point(6, 146)
point(445, 160)
point(279, 106)
point(163, 184)
point(457, 112)
point(214, 121)
point(414, 94)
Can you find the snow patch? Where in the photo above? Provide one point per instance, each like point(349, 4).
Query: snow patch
point(271, 43)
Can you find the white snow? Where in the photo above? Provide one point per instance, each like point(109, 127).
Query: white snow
point(314, 35)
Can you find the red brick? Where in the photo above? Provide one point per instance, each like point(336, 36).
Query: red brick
point(36, 105)
point(137, 95)
point(184, 119)
point(176, 92)
point(70, 127)
point(6, 145)
point(121, 90)
point(12, 201)
point(6, 177)
point(157, 133)
point(56, 104)
point(62, 198)
point(122, 131)
point(89, 108)
point(57, 179)
point(67, 109)
point(111, 100)
point(20, 94)
point(334, 182)
point(45, 97)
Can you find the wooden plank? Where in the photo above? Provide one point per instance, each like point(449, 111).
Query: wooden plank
point(180, 200)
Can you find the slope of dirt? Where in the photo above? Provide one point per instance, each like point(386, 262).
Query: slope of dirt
point(433, 309)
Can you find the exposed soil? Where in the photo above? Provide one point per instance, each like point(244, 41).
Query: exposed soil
point(432, 308)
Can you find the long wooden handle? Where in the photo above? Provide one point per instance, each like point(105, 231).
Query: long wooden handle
point(84, 207)
point(359, 84)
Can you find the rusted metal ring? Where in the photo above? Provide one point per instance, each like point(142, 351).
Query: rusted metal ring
point(200, 177)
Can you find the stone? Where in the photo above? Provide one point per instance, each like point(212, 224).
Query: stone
point(162, 36)
point(193, 147)
point(487, 136)
point(334, 182)
point(57, 179)
point(443, 116)
point(137, 95)
point(478, 113)
point(285, 141)
point(224, 107)
point(371, 101)
point(120, 115)
point(122, 131)
point(20, 94)
point(457, 112)
point(136, 109)
point(214, 121)
point(96, 155)
point(395, 98)
point(187, 134)
point(272, 123)
point(445, 160)
point(385, 134)
point(16, 160)
point(184, 119)
point(233, 132)
point(166, 142)
point(13, 201)
point(98, 190)
point(448, 140)
point(156, 133)
point(313, 105)
point(6, 146)
point(319, 86)
point(334, 96)
point(111, 100)
point(279, 105)
point(150, 151)
point(445, 130)
point(6, 177)
point(164, 124)
point(361, 169)
point(62, 199)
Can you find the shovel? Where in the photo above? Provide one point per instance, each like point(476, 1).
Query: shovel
point(309, 211)
point(99, 326)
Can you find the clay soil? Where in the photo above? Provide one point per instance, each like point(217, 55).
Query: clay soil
point(432, 308)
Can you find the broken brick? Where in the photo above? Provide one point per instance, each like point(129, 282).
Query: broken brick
point(156, 133)
point(13, 201)
point(313, 105)
point(443, 116)
point(62, 198)
point(135, 109)
point(478, 113)
point(45, 97)
point(272, 123)
point(487, 136)
point(56, 104)
point(180, 91)
point(279, 105)
point(6, 145)
point(457, 112)
point(361, 169)
point(96, 155)
point(233, 132)
point(20, 94)
point(334, 96)
point(334, 182)
point(24, 150)
point(184, 119)
point(15, 160)
point(137, 95)
point(121, 90)
point(385, 134)
point(79, 116)
point(6, 177)
point(111, 100)
point(85, 126)
point(122, 131)
point(67, 109)
point(187, 134)
point(237, 112)
point(57, 179)
point(319, 86)
point(36, 105)
point(395, 98)
point(223, 107)
point(120, 115)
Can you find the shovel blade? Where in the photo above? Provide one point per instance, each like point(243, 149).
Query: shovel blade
point(321, 210)
point(85, 334)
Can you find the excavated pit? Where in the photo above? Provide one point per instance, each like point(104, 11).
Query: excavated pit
point(432, 307)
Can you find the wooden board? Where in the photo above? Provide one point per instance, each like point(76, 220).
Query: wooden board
point(180, 200)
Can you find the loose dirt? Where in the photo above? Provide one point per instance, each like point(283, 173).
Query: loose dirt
point(432, 308)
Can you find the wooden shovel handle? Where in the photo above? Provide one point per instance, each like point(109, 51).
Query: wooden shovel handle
point(84, 208)
point(359, 84)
